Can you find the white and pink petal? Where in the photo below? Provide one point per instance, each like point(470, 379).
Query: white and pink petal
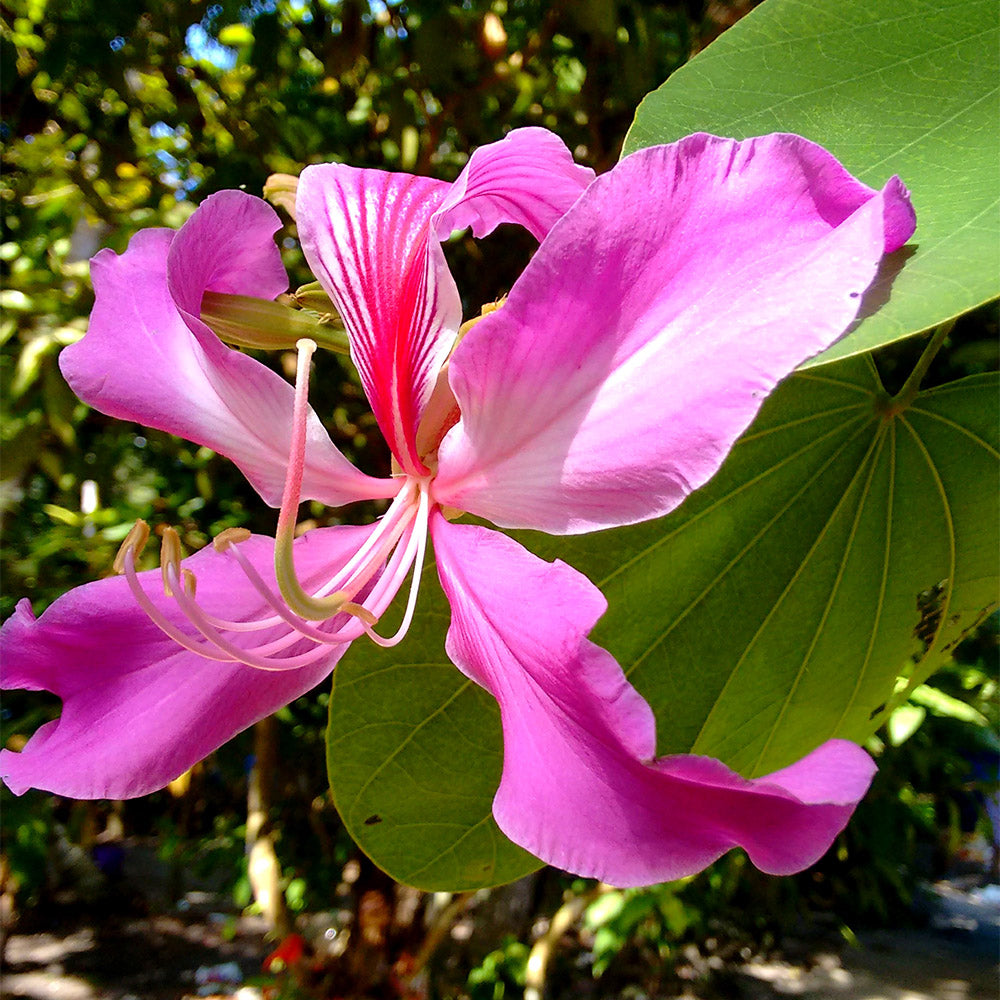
point(366, 235)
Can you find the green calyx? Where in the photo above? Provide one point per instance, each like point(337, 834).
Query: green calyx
point(245, 321)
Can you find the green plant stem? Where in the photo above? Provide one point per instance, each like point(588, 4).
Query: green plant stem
point(911, 386)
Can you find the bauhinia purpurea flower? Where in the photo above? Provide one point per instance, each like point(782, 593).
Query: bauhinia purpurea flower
point(666, 299)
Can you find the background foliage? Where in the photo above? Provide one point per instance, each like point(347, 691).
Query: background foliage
point(119, 116)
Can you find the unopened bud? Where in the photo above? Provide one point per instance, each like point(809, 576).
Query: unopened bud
point(279, 190)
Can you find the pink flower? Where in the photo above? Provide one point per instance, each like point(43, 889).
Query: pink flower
point(666, 300)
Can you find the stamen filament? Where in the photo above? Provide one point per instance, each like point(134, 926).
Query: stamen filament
point(415, 549)
point(283, 613)
point(260, 657)
point(366, 562)
point(217, 648)
point(360, 568)
point(303, 604)
point(160, 621)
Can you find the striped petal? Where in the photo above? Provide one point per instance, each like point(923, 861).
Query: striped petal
point(373, 240)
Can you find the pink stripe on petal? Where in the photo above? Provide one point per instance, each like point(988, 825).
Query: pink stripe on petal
point(651, 324)
point(580, 788)
point(365, 234)
point(138, 710)
point(148, 357)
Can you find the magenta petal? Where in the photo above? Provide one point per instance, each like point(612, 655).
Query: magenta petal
point(528, 178)
point(142, 359)
point(138, 710)
point(580, 788)
point(651, 324)
point(226, 246)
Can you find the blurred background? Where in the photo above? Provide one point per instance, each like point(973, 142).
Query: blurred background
point(119, 116)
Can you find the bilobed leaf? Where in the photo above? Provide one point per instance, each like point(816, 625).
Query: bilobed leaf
point(838, 547)
point(906, 87)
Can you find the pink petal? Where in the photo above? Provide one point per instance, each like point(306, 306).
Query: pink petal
point(372, 239)
point(581, 788)
point(650, 325)
point(138, 710)
point(529, 177)
point(148, 357)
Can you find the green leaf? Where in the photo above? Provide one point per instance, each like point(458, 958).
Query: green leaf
point(900, 86)
point(836, 543)
point(838, 547)
point(414, 756)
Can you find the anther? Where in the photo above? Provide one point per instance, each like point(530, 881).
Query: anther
point(135, 542)
point(170, 558)
point(231, 536)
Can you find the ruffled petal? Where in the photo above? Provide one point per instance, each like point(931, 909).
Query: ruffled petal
point(581, 788)
point(528, 178)
point(372, 239)
point(139, 710)
point(148, 357)
point(652, 322)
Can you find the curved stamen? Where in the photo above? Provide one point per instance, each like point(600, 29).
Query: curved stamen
point(414, 555)
point(258, 657)
point(363, 565)
point(306, 606)
point(159, 619)
point(316, 608)
point(394, 548)
point(180, 584)
point(283, 614)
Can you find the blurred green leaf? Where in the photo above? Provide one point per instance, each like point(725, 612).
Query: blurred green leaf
point(893, 87)
point(946, 705)
point(904, 722)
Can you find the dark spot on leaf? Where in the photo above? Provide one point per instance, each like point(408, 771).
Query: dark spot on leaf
point(930, 604)
point(854, 295)
point(373, 819)
point(877, 710)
